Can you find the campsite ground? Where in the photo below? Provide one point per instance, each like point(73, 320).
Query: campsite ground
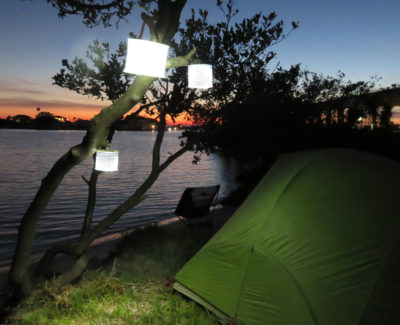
point(127, 280)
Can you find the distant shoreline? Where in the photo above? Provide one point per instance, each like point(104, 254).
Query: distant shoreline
point(66, 129)
point(47, 121)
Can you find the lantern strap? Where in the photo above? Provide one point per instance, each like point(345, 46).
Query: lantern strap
point(147, 19)
point(141, 30)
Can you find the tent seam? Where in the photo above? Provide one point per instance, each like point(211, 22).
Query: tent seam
point(379, 273)
point(290, 182)
point(221, 314)
point(299, 288)
point(311, 311)
point(244, 279)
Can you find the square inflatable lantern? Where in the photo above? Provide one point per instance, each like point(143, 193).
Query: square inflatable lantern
point(200, 76)
point(146, 58)
point(106, 160)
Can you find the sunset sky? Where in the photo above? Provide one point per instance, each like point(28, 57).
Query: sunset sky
point(360, 38)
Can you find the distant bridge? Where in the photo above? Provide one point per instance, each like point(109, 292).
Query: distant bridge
point(390, 97)
point(373, 101)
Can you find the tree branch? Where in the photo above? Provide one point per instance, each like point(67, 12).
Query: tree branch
point(181, 61)
point(149, 22)
point(133, 200)
point(162, 85)
point(93, 12)
point(91, 202)
point(85, 179)
point(173, 157)
point(79, 5)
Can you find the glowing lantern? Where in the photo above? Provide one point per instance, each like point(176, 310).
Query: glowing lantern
point(146, 58)
point(200, 75)
point(106, 160)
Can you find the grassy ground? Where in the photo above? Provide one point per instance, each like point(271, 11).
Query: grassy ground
point(128, 289)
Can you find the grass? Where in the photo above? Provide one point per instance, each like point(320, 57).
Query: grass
point(128, 289)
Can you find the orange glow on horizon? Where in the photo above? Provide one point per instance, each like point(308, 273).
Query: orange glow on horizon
point(74, 113)
point(67, 112)
point(395, 120)
point(180, 120)
point(20, 97)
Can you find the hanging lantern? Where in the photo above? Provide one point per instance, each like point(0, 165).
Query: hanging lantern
point(146, 58)
point(200, 75)
point(106, 160)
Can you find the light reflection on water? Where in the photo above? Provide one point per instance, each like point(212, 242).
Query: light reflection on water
point(27, 155)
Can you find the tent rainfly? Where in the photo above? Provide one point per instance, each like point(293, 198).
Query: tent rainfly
point(316, 242)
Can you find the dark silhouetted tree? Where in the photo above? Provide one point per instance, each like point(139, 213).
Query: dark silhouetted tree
point(163, 19)
point(45, 121)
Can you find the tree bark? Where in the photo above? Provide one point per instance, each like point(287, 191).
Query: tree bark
point(91, 203)
point(74, 272)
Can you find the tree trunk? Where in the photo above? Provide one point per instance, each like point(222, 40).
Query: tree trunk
point(94, 138)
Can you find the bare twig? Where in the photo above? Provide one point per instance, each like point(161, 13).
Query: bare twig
point(85, 179)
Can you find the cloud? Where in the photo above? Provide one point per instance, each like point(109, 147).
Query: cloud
point(22, 83)
point(22, 86)
point(20, 90)
point(31, 102)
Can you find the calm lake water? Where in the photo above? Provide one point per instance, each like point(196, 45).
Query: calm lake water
point(27, 156)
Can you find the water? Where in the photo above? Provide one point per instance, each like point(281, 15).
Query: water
point(27, 155)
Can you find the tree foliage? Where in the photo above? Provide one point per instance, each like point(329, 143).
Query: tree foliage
point(291, 103)
point(95, 12)
point(239, 52)
point(99, 75)
point(253, 110)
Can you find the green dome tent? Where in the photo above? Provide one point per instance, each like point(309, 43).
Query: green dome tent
point(316, 242)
